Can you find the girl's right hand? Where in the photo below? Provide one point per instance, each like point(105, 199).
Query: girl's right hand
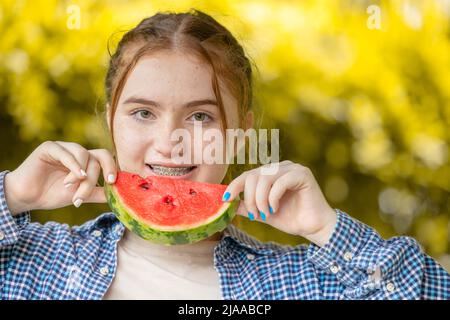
point(57, 174)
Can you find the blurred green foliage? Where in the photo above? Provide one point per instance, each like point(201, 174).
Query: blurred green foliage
point(367, 109)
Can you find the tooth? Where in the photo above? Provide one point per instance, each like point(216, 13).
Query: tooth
point(161, 170)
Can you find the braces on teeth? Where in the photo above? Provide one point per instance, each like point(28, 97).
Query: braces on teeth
point(170, 171)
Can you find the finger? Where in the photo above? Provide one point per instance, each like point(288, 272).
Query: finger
point(85, 189)
point(78, 151)
point(97, 196)
point(70, 179)
point(241, 209)
point(235, 187)
point(264, 185)
point(107, 164)
point(72, 185)
point(249, 196)
point(262, 194)
point(67, 159)
point(288, 181)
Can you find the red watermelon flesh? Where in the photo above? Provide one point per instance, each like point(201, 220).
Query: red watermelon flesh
point(155, 206)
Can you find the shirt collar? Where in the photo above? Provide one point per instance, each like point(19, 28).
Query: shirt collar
point(108, 224)
point(247, 241)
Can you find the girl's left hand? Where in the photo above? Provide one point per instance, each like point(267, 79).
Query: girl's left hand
point(289, 200)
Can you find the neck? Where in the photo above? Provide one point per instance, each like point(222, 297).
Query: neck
point(131, 236)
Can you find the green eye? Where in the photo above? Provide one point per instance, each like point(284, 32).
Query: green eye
point(201, 116)
point(145, 114)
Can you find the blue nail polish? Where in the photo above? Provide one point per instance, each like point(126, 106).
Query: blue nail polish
point(226, 196)
point(251, 216)
point(263, 216)
point(270, 210)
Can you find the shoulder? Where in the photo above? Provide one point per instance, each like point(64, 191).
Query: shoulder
point(46, 234)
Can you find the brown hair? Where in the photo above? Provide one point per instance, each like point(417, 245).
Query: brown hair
point(198, 34)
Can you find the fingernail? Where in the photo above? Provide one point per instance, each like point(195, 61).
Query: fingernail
point(83, 173)
point(251, 216)
point(111, 178)
point(270, 210)
point(77, 203)
point(68, 184)
point(263, 216)
point(226, 196)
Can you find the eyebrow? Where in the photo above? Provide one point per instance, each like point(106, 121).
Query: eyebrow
point(145, 101)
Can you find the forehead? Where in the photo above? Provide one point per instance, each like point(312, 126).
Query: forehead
point(174, 78)
point(166, 76)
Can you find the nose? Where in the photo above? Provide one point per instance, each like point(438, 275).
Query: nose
point(163, 142)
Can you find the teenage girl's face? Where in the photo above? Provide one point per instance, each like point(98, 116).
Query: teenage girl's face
point(168, 91)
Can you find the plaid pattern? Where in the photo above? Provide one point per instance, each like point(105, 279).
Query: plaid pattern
point(56, 261)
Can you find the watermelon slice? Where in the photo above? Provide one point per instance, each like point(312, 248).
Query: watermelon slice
point(169, 211)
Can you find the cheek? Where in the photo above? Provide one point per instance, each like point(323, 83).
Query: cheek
point(213, 173)
point(129, 141)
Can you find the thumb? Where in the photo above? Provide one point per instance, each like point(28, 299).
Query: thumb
point(97, 195)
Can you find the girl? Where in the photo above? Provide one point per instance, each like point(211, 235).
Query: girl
point(168, 72)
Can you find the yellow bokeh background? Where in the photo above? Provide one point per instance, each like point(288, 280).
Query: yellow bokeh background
point(359, 91)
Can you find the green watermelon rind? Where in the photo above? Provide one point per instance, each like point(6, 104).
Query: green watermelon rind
point(170, 237)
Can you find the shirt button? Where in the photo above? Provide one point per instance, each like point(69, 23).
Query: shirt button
point(348, 256)
point(371, 285)
point(334, 268)
point(97, 233)
point(2, 235)
point(250, 256)
point(104, 271)
point(390, 287)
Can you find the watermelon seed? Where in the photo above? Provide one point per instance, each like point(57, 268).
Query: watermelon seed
point(192, 192)
point(168, 200)
point(145, 185)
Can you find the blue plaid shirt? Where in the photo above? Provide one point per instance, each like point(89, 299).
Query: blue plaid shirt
point(56, 261)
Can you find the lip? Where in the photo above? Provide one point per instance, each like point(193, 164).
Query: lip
point(186, 176)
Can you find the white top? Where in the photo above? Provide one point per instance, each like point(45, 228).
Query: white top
point(150, 271)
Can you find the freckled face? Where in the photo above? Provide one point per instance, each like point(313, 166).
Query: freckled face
point(168, 91)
